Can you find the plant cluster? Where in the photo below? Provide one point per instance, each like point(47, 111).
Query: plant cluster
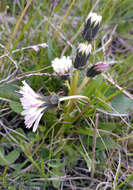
point(66, 95)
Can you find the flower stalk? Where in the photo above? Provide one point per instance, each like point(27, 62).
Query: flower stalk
point(73, 89)
point(73, 97)
point(83, 84)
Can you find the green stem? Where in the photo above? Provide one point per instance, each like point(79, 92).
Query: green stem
point(74, 83)
point(83, 83)
point(73, 90)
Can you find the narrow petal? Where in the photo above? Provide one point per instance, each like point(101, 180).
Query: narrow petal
point(36, 123)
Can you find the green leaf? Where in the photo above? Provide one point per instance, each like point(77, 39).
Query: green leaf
point(122, 104)
point(84, 131)
point(1, 150)
point(56, 183)
point(108, 142)
point(16, 107)
point(12, 156)
point(3, 160)
point(86, 157)
point(56, 165)
point(9, 92)
point(11, 187)
point(44, 153)
point(8, 159)
point(110, 126)
point(57, 173)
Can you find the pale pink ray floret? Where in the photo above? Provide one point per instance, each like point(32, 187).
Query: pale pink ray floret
point(31, 102)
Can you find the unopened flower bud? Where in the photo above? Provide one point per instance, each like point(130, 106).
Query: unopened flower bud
point(92, 25)
point(83, 53)
point(97, 69)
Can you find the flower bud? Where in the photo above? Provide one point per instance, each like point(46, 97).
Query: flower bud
point(83, 54)
point(92, 25)
point(97, 69)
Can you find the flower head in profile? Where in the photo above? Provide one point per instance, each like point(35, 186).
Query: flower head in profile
point(83, 54)
point(35, 105)
point(92, 25)
point(97, 69)
point(62, 65)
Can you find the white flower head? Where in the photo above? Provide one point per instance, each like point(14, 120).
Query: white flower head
point(62, 65)
point(34, 105)
point(94, 18)
point(85, 48)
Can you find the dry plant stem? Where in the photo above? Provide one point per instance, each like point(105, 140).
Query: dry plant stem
point(17, 25)
point(95, 5)
point(125, 138)
point(33, 74)
point(30, 47)
point(117, 86)
point(91, 3)
point(83, 83)
point(64, 178)
point(7, 132)
point(72, 40)
point(73, 90)
point(81, 113)
point(94, 146)
point(116, 144)
point(112, 152)
point(67, 13)
point(63, 20)
point(59, 32)
point(13, 72)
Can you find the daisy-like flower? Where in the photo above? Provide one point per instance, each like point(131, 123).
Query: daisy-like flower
point(62, 65)
point(92, 25)
point(83, 54)
point(97, 69)
point(35, 105)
